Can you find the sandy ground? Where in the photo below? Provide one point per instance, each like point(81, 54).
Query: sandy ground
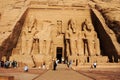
point(101, 74)
point(62, 73)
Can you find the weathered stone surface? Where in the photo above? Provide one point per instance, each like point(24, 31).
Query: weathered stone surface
point(111, 16)
point(79, 30)
point(7, 77)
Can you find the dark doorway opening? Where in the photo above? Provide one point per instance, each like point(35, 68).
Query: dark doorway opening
point(59, 54)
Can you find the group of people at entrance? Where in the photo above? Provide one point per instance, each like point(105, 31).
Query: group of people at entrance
point(55, 64)
point(69, 64)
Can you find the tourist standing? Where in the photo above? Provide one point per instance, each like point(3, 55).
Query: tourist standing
point(26, 68)
point(14, 64)
point(57, 61)
point(54, 65)
point(69, 63)
point(43, 66)
point(7, 64)
point(2, 64)
point(94, 64)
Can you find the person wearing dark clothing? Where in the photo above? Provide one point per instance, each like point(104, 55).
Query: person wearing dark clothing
point(54, 65)
point(7, 64)
point(2, 64)
point(14, 64)
point(69, 64)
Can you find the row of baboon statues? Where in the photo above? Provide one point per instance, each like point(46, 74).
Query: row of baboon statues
point(79, 40)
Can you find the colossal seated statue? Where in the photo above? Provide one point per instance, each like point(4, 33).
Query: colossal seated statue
point(44, 36)
point(71, 38)
point(28, 35)
point(90, 39)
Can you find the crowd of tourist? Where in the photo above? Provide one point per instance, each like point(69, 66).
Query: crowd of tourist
point(8, 64)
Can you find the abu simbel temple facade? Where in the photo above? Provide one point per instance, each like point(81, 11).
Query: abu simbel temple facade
point(34, 32)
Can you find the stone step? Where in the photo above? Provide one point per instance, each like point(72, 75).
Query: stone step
point(99, 65)
point(88, 65)
point(61, 66)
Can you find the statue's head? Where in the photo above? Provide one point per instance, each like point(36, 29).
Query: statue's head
point(89, 25)
point(72, 25)
point(31, 23)
point(59, 22)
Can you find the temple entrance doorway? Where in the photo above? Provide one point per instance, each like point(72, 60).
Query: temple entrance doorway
point(59, 54)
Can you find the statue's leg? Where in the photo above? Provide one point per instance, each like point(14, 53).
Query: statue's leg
point(44, 47)
point(67, 47)
point(40, 51)
point(47, 50)
point(24, 46)
point(41, 42)
point(91, 47)
point(73, 47)
point(86, 49)
point(29, 45)
point(35, 46)
point(53, 51)
point(80, 47)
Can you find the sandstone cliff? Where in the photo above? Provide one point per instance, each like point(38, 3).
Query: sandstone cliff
point(13, 13)
point(110, 10)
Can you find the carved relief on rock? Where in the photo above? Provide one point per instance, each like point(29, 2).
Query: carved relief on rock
point(59, 27)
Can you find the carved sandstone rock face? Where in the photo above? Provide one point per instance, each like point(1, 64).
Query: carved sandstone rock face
point(112, 18)
point(111, 15)
point(64, 29)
